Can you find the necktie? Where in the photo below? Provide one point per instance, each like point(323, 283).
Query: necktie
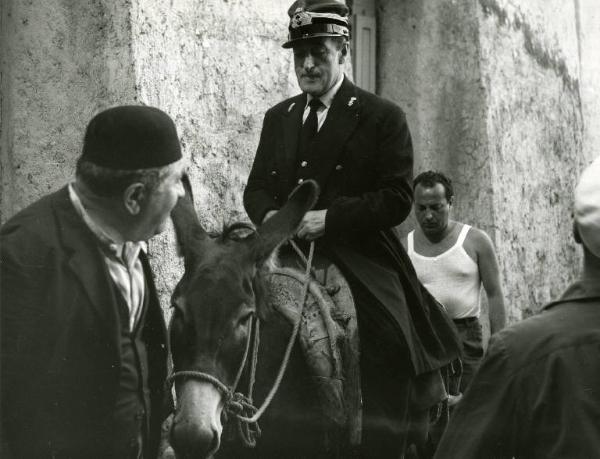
point(312, 123)
point(309, 128)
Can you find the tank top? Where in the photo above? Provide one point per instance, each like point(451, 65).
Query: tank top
point(452, 277)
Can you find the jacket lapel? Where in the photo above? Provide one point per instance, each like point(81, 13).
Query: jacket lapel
point(292, 123)
point(342, 119)
point(85, 260)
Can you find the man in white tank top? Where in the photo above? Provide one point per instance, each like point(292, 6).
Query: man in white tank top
point(453, 260)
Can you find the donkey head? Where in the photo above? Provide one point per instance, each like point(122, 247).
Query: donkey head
point(213, 306)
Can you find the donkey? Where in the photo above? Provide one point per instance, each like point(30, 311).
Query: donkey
point(215, 303)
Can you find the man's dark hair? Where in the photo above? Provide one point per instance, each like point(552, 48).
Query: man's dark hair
point(429, 179)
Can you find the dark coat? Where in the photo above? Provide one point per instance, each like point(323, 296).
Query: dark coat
point(536, 394)
point(60, 336)
point(362, 160)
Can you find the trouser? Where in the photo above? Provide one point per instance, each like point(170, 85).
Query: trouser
point(469, 330)
point(385, 380)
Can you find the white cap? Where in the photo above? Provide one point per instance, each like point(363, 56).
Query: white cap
point(587, 207)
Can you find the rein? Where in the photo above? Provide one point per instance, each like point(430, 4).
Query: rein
point(237, 404)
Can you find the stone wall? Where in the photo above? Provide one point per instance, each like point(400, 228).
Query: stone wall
point(492, 93)
point(530, 66)
point(62, 61)
point(429, 65)
point(214, 66)
point(504, 95)
point(588, 22)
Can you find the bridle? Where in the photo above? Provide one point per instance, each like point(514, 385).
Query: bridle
point(236, 404)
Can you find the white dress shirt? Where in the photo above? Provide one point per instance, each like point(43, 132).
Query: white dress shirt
point(326, 99)
point(122, 260)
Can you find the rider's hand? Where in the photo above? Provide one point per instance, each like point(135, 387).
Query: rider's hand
point(312, 225)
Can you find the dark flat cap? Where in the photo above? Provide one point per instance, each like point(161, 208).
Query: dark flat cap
point(131, 137)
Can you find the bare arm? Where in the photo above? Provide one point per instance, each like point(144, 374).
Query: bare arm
point(490, 277)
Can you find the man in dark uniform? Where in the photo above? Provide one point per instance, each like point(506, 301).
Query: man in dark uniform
point(84, 356)
point(357, 146)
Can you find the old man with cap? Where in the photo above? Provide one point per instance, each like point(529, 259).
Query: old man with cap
point(358, 147)
point(84, 355)
point(537, 392)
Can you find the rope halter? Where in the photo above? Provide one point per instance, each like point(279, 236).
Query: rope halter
point(236, 404)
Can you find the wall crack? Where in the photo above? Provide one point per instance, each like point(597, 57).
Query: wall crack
point(545, 58)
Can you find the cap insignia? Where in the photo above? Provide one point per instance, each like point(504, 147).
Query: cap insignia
point(300, 19)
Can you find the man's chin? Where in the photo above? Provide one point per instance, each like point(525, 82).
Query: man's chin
point(431, 232)
point(314, 89)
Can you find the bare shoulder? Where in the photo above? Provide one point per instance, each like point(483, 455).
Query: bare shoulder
point(478, 241)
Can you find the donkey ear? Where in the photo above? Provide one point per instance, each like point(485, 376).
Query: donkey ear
point(190, 233)
point(283, 224)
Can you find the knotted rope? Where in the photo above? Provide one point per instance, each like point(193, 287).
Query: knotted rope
point(290, 345)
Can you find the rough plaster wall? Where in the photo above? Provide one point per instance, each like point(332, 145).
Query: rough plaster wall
point(429, 64)
point(529, 65)
point(62, 60)
point(216, 67)
point(491, 92)
point(589, 51)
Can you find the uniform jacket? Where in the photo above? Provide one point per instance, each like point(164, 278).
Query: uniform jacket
point(537, 392)
point(60, 336)
point(362, 160)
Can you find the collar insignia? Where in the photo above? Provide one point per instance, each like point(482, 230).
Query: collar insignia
point(351, 101)
point(291, 106)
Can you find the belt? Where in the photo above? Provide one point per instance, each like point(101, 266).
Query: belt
point(465, 320)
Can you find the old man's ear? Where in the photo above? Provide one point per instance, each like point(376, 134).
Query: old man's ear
point(133, 197)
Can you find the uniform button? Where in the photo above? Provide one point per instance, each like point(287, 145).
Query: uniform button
point(339, 167)
point(300, 181)
point(273, 172)
point(303, 164)
point(276, 197)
